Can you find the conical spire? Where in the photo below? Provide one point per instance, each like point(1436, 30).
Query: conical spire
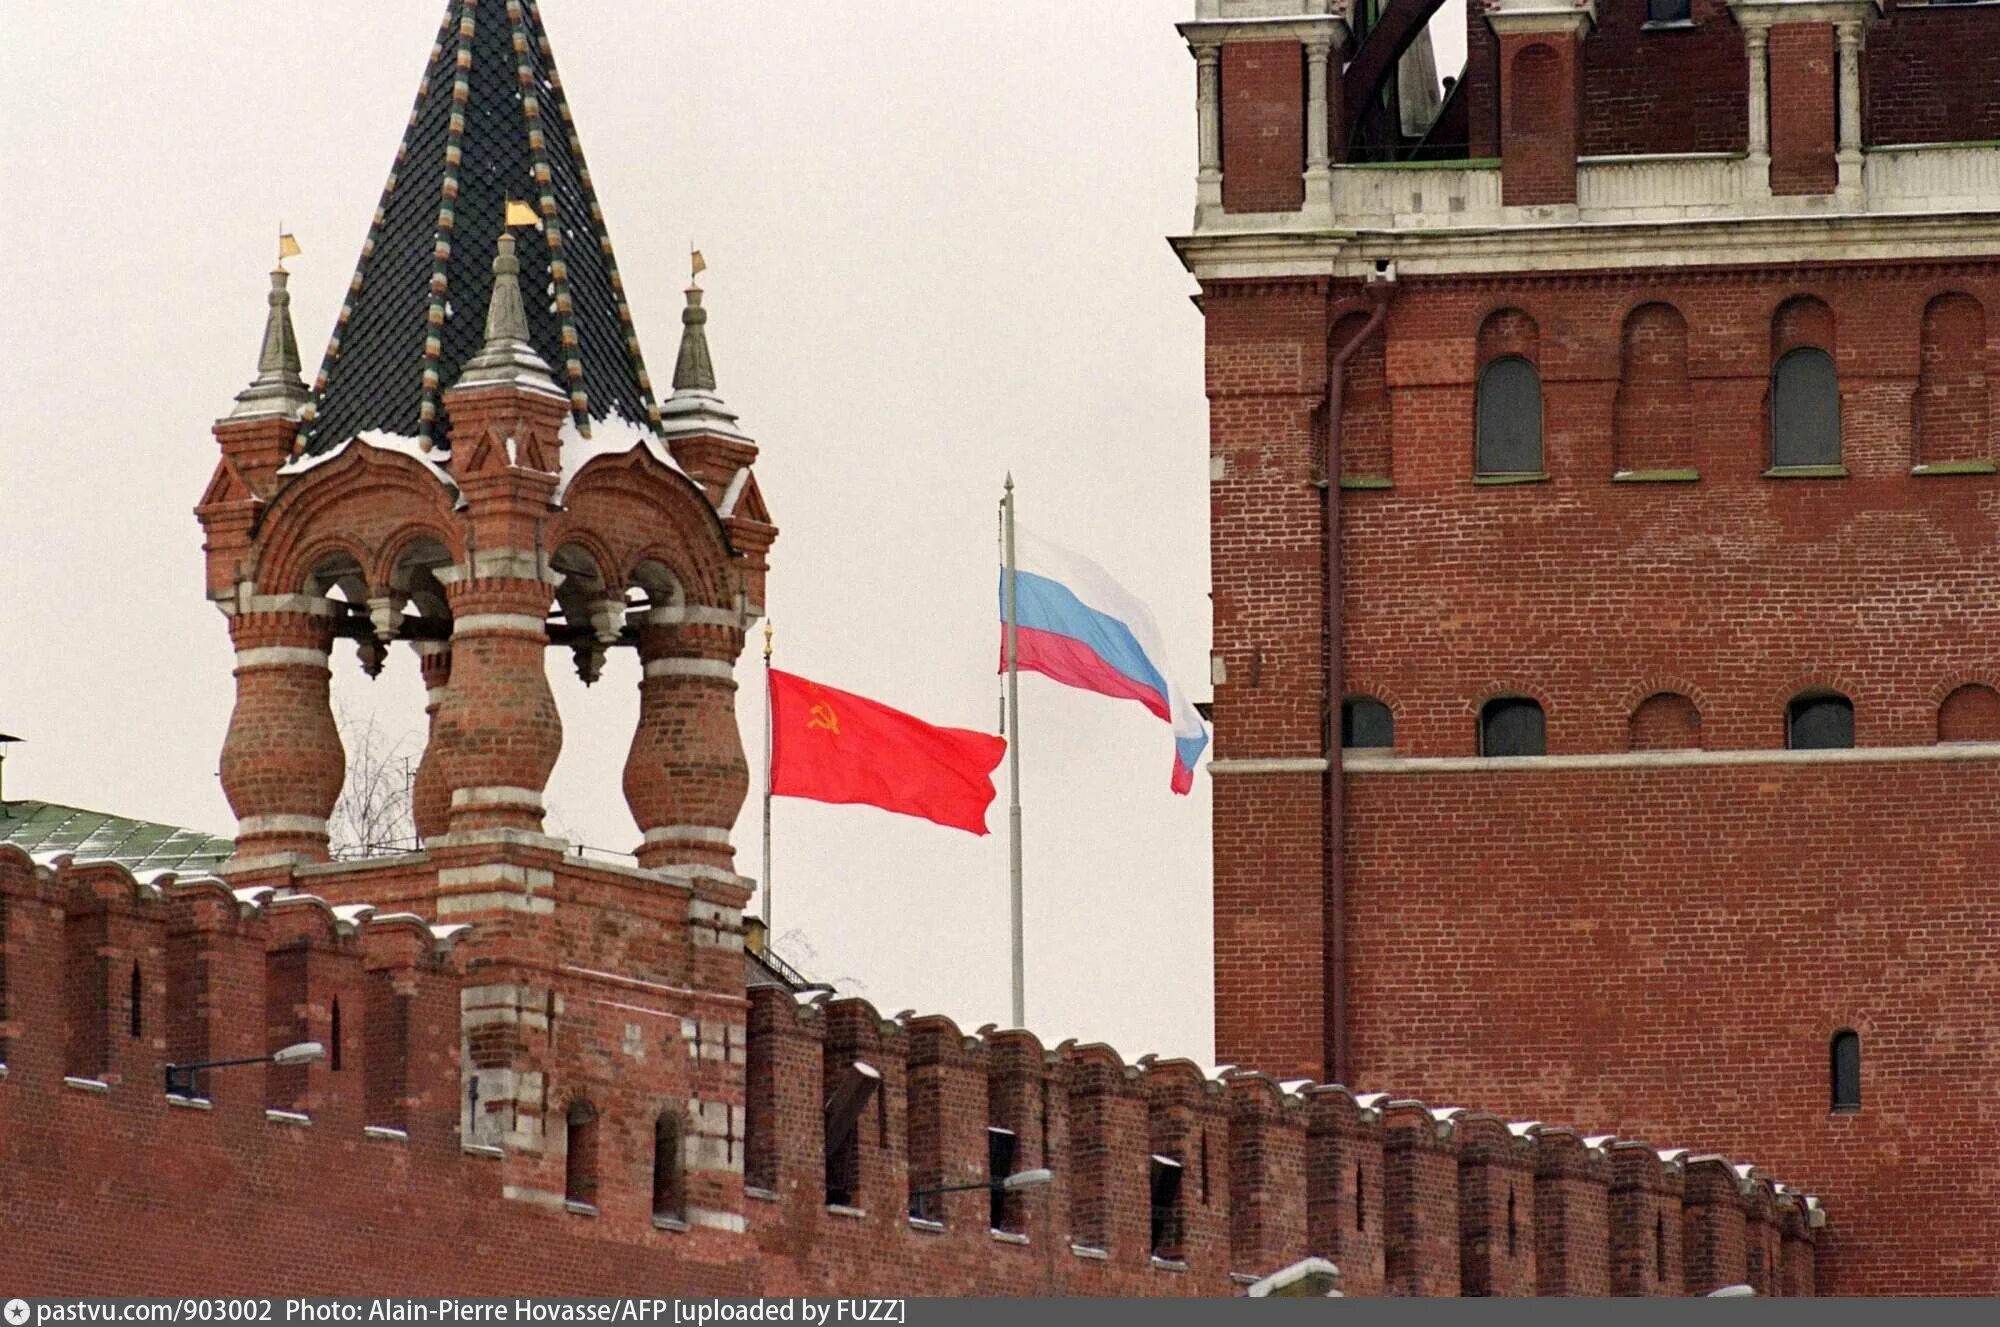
point(507, 356)
point(491, 127)
point(694, 407)
point(693, 371)
point(277, 389)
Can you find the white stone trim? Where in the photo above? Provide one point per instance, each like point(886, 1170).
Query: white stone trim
point(508, 837)
point(1768, 13)
point(526, 799)
point(673, 667)
point(496, 873)
point(1270, 765)
point(313, 605)
point(283, 656)
point(520, 564)
point(512, 624)
point(688, 834)
point(729, 1221)
point(240, 865)
point(700, 615)
point(1357, 762)
point(1329, 28)
point(451, 905)
point(703, 872)
point(313, 825)
point(1552, 16)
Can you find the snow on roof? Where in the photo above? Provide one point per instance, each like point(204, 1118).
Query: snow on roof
point(1370, 1100)
point(1672, 1154)
point(1522, 1128)
point(441, 931)
point(382, 441)
point(254, 895)
point(613, 435)
point(1598, 1141)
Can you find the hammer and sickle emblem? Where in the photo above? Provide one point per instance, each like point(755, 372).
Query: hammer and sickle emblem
point(822, 716)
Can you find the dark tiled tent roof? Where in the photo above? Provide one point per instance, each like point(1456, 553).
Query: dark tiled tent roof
point(491, 124)
point(39, 828)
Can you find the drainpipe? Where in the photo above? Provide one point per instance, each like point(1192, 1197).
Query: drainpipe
point(1337, 1054)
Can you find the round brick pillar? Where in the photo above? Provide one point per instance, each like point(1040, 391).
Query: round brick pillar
point(686, 776)
point(282, 762)
point(497, 733)
point(430, 799)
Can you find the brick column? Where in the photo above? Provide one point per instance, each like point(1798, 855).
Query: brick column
point(1344, 1188)
point(430, 799)
point(1712, 1227)
point(686, 776)
point(1541, 104)
point(282, 762)
point(1267, 1189)
point(496, 735)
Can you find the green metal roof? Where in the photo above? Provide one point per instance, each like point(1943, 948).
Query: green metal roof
point(43, 828)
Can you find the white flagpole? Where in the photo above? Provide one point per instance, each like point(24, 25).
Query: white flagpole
point(765, 889)
point(1014, 761)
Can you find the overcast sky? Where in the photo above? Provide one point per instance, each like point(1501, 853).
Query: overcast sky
point(936, 243)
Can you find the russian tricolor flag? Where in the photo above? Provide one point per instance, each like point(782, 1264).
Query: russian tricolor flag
point(1080, 627)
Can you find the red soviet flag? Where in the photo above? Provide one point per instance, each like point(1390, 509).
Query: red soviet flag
point(833, 746)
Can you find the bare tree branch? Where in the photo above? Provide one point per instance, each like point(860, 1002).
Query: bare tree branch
point(372, 817)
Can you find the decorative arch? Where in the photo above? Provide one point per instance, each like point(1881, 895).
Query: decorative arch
point(1971, 713)
point(1953, 401)
point(1652, 429)
point(1664, 721)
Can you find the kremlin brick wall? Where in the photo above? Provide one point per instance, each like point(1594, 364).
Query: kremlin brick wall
point(363, 1174)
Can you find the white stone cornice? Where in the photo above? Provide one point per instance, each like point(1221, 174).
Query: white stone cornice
point(1321, 29)
point(1550, 16)
point(1768, 13)
point(1557, 247)
point(1270, 9)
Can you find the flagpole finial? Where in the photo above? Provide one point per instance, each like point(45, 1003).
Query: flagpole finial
point(1010, 481)
point(767, 642)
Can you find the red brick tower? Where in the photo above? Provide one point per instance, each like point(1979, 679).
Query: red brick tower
point(481, 470)
point(1628, 434)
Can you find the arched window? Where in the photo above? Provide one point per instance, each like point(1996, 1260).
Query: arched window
point(1665, 721)
point(669, 1191)
point(1846, 1069)
point(1819, 721)
point(138, 1017)
point(1667, 11)
point(1512, 726)
point(1970, 714)
point(1366, 722)
point(1805, 409)
point(580, 1154)
point(1510, 418)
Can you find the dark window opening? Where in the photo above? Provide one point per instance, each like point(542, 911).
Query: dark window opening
point(1510, 418)
point(1805, 409)
point(1366, 722)
point(669, 1195)
point(1846, 1070)
point(1360, 1203)
point(1659, 1247)
point(333, 1039)
point(1001, 1146)
point(134, 999)
point(1669, 11)
point(853, 1087)
point(1512, 726)
point(1819, 723)
point(1204, 1167)
point(1166, 1200)
point(580, 1154)
point(1513, 1228)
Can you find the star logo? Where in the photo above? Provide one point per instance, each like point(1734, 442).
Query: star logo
point(823, 716)
point(17, 1312)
